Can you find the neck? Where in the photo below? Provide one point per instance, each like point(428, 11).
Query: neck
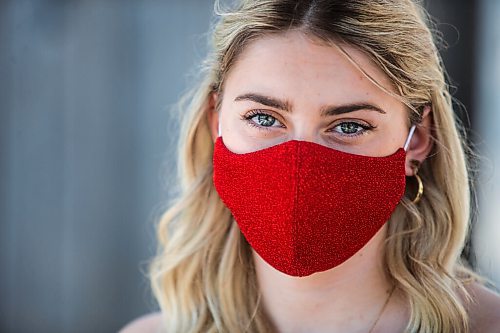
point(347, 298)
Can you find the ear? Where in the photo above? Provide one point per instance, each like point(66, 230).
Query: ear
point(213, 116)
point(421, 143)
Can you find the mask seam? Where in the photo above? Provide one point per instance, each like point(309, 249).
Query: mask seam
point(295, 200)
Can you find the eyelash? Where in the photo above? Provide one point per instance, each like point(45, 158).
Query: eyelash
point(251, 114)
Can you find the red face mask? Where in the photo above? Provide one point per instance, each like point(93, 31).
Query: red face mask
point(306, 208)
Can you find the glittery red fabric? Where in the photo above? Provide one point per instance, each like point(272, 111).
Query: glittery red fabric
point(304, 207)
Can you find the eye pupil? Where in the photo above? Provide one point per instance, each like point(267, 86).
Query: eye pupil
point(265, 120)
point(349, 128)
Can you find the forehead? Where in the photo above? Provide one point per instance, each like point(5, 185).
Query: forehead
point(293, 64)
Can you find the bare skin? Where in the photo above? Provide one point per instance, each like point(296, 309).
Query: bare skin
point(484, 314)
point(308, 76)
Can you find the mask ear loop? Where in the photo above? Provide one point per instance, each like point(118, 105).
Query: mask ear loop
point(219, 129)
point(407, 143)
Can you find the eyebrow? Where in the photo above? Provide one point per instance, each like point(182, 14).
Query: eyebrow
point(325, 111)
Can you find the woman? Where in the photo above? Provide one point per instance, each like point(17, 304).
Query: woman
point(324, 185)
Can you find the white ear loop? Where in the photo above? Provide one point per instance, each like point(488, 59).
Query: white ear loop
point(220, 131)
point(407, 143)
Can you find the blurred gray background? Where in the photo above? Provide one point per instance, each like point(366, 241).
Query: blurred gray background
point(86, 144)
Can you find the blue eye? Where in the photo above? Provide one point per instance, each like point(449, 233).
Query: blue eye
point(262, 120)
point(351, 128)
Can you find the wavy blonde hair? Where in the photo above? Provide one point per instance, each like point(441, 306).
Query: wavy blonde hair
point(203, 276)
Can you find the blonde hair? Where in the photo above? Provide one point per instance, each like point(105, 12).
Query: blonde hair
point(203, 276)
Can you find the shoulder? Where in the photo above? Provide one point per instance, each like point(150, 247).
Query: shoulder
point(149, 323)
point(484, 310)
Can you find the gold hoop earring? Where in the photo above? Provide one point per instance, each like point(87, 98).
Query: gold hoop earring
point(420, 189)
point(420, 192)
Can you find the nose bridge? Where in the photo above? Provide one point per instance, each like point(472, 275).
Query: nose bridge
point(305, 131)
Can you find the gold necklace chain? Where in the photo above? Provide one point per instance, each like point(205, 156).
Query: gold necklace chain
point(382, 310)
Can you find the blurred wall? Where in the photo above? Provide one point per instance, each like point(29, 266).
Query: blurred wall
point(85, 141)
point(86, 144)
point(487, 232)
